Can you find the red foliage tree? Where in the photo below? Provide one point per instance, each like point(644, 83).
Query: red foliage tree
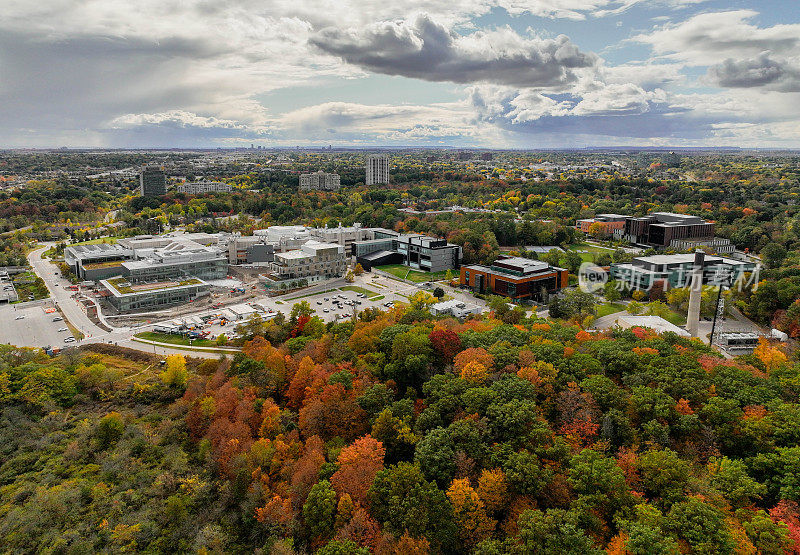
point(446, 343)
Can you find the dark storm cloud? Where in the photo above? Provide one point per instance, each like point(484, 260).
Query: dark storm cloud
point(762, 71)
point(425, 49)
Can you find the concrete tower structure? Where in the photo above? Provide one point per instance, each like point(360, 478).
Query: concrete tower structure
point(695, 292)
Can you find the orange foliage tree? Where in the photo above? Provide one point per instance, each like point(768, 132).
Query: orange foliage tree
point(473, 354)
point(358, 465)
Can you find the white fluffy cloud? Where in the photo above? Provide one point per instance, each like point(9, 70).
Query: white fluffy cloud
point(711, 38)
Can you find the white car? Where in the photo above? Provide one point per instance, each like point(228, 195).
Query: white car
point(63, 329)
point(20, 317)
point(325, 310)
point(69, 340)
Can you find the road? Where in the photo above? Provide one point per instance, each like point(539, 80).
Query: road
point(74, 313)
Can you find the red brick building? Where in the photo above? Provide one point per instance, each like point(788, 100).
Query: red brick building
point(514, 277)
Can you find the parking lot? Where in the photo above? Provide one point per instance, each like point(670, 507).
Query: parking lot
point(31, 326)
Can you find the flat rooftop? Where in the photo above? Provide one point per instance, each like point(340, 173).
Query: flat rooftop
point(686, 258)
point(120, 286)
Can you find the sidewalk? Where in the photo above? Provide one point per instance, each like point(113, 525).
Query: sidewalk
point(231, 350)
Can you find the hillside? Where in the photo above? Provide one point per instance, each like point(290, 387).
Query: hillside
point(404, 434)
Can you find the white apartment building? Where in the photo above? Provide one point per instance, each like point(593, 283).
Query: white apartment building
point(377, 169)
point(313, 261)
point(202, 187)
point(320, 181)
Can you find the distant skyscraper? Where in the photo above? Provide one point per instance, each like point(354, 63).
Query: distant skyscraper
point(152, 181)
point(377, 169)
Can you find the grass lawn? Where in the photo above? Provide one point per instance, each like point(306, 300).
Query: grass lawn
point(109, 240)
point(357, 289)
point(590, 251)
point(29, 284)
point(606, 309)
point(378, 298)
point(403, 272)
point(676, 318)
point(175, 339)
point(310, 294)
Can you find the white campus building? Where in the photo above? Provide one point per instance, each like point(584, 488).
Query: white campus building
point(377, 169)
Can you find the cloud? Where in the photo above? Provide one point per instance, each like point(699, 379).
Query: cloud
point(762, 71)
point(711, 38)
point(422, 48)
point(343, 121)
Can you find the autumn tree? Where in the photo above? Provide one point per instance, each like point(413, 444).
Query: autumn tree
point(174, 375)
point(358, 465)
point(470, 513)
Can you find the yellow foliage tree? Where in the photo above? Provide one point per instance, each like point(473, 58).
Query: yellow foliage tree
point(493, 489)
point(474, 372)
point(474, 525)
point(174, 375)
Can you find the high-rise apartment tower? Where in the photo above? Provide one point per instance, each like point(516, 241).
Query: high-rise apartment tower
point(377, 169)
point(152, 181)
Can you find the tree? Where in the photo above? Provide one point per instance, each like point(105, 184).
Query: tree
point(554, 532)
point(701, 525)
point(349, 277)
point(342, 547)
point(435, 455)
point(404, 502)
point(358, 465)
point(174, 375)
point(319, 510)
point(664, 474)
point(473, 354)
point(556, 308)
point(474, 525)
point(767, 535)
point(773, 255)
point(438, 293)
point(611, 292)
point(493, 490)
point(358, 270)
point(474, 372)
point(109, 429)
point(731, 479)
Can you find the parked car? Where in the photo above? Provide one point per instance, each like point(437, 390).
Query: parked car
point(20, 317)
point(69, 340)
point(57, 319)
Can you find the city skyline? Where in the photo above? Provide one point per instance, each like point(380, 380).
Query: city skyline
point(470, 73)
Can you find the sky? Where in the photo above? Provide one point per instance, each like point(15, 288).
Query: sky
point(364, 73)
